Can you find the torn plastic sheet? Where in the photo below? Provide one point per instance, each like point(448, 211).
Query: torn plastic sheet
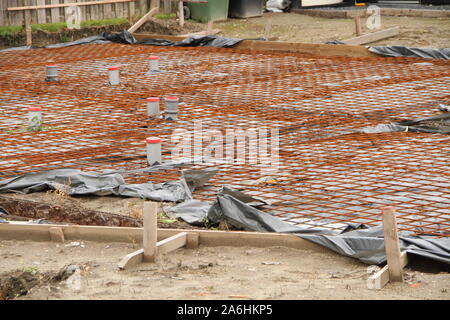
point(366, 245)
point(400, 51)
point(76, 182)
point(197, 212)
point(435, 124)
point(127, 38)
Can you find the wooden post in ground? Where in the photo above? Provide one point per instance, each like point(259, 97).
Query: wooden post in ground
point(267, 28)
point(181, 13)
point(392, 245)
point(27, 18)
point(150, 230)
point(358, 26)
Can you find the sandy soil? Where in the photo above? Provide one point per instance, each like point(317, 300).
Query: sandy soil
point(208, 273)
point(293, 27)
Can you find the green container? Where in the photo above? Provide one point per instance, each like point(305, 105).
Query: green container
point(213, 10)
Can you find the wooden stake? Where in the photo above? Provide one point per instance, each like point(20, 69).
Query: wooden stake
point(267, 28)
point(56, 234)
point(209, 28)
point(181, 13)
point(27, 15)
point(381, 278)
point(150, 230)
point(392, 245)
point(192, 240)
point(358, 25)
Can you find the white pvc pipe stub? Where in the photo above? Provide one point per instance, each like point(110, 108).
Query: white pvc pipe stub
point(171, 108)
point(52, 73)
point(153, 64)
point(153, 107)
point(153, 150)
point(113, 75)
point(34, 118)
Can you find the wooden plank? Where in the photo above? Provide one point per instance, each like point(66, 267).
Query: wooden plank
point(381, 278)
point(374, 36)
point(167, 8)
point(55, 13)
point(56, 234)
point(41, 12)
point(172, 243)
point(181, 13)
point(15, 19)
point(150, 230)
point(392, 245)
point(39, 232)
point(28, 33)
point(3, 6)
point(202, 33)
point(306, 48)
point(107, 11)
point(144, 19)
point(131, 260)
point(131, 11)
point(69, 4)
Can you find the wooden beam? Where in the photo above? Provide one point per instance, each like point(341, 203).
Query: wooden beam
point(268, 28)
point(172, 243)
point(63, 5)
point(55, 12)
point(56, 234)
point(278, 46)
point(202, 33)
point(374, 36)
point(144, 19)
point(132, 259)
point(150, 230)
point(181, 13)
point(392, 245)
point(28, 33)
point(39, 232)
point(381, 278)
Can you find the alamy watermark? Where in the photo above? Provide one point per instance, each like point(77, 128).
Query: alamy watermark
point(373, 17)
point(258, 147)
point(73, 17)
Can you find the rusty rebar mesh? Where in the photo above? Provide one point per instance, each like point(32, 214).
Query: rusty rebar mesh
point(329, 174)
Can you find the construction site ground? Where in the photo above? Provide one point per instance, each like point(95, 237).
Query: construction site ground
point(208, 273)
point(290, 27)
point(245, 273)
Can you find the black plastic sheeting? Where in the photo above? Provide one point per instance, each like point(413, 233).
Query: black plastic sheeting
point(435, 124)
point(400, 51)
point(76, 182)
point(356, 241)
point(127, 38)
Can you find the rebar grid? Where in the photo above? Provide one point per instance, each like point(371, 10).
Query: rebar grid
point(329, 174)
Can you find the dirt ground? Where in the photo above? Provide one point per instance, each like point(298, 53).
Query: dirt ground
point(290, 27)
point(206, 273)
point(293, 27)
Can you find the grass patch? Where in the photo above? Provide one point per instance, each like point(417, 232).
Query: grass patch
point(102, 23)
point(57, 27)
point(163, 16)
point(10, 30)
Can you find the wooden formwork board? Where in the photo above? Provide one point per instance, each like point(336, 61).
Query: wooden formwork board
point(41, 232)
point(278, 46)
